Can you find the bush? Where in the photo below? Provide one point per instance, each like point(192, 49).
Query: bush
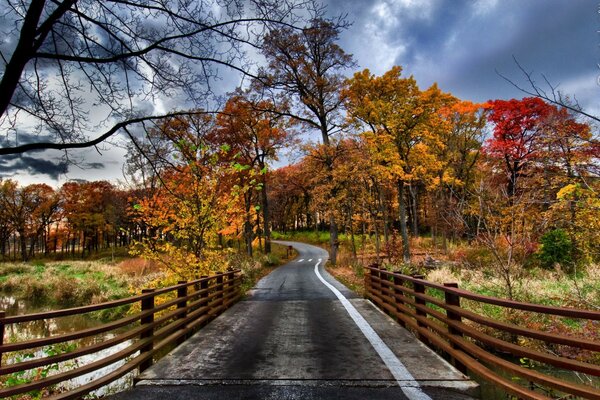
point(556, 248)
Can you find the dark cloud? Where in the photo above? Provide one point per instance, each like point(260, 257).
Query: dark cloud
point(21, 138)
point(461, 43)
point(32, 166)
point(94, 165)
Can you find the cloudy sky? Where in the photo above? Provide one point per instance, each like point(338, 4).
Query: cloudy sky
point(460, 44)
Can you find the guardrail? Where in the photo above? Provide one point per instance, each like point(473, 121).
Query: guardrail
point(443, 324)
point(158, 326)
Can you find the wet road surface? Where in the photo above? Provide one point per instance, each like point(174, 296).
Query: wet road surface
point(300, 334)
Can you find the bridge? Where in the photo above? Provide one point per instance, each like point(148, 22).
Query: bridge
point(300, 334)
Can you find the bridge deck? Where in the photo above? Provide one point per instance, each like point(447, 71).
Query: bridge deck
point(302, 335)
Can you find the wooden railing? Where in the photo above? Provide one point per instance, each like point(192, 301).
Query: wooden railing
point(166, 317)
point(468, 339)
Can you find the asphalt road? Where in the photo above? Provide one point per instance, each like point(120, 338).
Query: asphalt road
point(300, 334)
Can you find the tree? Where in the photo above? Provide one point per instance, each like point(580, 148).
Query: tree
point(459, 158)
point(184, 214)
point(8, 196)
point(518, 129)
point(16, 205)
point(305, 70)
point(290, 194)
point(254, 134)
point(402, 126)
point(67, 57)
point(44, 211)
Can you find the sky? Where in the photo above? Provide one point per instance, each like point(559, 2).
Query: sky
point(463, 45)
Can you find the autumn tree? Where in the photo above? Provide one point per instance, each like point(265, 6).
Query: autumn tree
point(518, 131)
point(570, 180)
point(8, 222)
point(290, 194)
point(401, 124)
point(305, 70)
point(191, 204)
point(255, 134)
point(459, 159)
point(17, 206)
point(43, 212)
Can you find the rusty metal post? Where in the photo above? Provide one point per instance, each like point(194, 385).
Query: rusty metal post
point(399, 282)
point(382, 276)
point(2, 325)
point(230, 282)
point(452, 299)
point(367, 282)
point(147, 304)
point(220, 288)
point(181, 294)
point(420, 288)
point(204, 286)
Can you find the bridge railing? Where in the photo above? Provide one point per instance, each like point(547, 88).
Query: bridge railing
point(469, 339)
point(163, 318)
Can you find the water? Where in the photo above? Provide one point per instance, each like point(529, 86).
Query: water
point(56, 326)
point(491, 392)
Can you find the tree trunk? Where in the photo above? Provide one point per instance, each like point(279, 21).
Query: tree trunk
point(414, 206)
point(403, 227)
point(266, 217)
point(248, 236)
point(333, 239)
point(352, 234)
point(23, 242)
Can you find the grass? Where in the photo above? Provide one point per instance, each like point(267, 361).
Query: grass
point(70, 284)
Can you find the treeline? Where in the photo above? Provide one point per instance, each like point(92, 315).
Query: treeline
point(77, 219)
point(505, 175)
point(518, 178)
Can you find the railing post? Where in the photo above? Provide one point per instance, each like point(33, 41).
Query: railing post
point(367, 281)
point(420, 288)
point(230, 281)
point(452, 299)
point(2, 316)
point(204, 287)
point(147, 304)
point(399, 282)
point(382, 276)
point(220, 288)
point(181, 294)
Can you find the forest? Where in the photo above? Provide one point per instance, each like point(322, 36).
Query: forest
point(385, 166)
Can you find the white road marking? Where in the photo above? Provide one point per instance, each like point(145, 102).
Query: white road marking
point(310, 260)
point(405, 380)
point(300, 260)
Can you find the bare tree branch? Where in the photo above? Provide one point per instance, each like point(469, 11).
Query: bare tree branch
point(95, 141)
point(555, 96)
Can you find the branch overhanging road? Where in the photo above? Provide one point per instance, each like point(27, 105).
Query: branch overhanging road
point(300, 334)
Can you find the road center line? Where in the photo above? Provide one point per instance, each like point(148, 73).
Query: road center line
point(405, 380)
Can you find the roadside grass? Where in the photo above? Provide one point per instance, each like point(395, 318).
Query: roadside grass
point(72, 283)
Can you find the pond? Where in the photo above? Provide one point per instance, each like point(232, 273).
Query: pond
point(491, 392)
point(56, 326)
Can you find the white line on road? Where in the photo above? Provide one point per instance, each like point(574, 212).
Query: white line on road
point(310, 260)
point(300, 260)
point(403, 377)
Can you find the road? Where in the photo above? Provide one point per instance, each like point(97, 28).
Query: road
point(300, 334)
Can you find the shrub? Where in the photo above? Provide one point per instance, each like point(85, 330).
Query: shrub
point(556, 248)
